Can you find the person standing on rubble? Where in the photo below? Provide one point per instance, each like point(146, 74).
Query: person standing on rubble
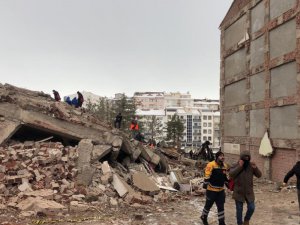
point(134, 127)
point(118, 121)
point(216, 176)
point(294, 171)
point(80, 99)
point(56, 95)
point(242, 173)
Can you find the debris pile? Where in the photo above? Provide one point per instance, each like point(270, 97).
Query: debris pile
point(57, 158)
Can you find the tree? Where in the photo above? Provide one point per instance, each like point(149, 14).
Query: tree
point(155, 127)
point(102, 109)
point(175, 130)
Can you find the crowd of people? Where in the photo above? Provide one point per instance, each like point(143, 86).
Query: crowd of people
point(76, 101)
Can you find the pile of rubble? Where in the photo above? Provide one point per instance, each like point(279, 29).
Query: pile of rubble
point(41, 172)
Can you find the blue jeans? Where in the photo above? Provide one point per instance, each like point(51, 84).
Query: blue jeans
point(239, 211)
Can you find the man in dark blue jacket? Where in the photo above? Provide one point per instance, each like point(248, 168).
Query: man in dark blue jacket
point(294, 171)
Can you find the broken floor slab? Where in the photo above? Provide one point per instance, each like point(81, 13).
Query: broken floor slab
point(143, 183)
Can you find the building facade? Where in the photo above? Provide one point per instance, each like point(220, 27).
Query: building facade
point(260, 83)
point(149, 100)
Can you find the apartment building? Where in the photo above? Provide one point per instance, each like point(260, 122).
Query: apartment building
point(177, 99)
point(149, 100)
point(191, 119)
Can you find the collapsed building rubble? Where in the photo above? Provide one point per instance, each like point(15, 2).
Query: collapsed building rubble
point(57, 158)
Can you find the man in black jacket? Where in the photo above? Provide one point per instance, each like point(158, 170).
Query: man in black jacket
point(294, 171)
point(118, 121)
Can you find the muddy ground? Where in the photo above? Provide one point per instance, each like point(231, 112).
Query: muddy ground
point(272, 208)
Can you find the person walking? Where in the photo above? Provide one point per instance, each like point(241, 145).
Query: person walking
point(242, 173)
point(56, 95)
point(294, 171)
point(80, 99)
point(215, 178)
point(118, 121)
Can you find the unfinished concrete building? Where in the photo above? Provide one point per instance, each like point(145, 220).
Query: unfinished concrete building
point(259, 82)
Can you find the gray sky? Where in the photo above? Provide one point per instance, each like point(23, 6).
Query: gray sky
point(112, 46)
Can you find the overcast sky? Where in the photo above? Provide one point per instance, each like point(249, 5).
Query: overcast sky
point(112, 46)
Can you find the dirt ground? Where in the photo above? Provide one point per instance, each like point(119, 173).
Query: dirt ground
point(272, 208)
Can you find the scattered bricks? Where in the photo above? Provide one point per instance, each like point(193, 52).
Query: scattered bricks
point(38, 176)
point(55, 154)
point(28, 144)
point(138, 198)
point(11, 165)
point(64, 159)
point(55, 186)
point(24, 187)
point(2, 169)
point(2, 188)
point(75, 206)
point(63, 188)
point(44, 193)
point(2, 177)
point(79, 197)
point(16, 179)
point(65, 182)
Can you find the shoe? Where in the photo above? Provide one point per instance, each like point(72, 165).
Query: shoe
point(246, 222)
point(204, 220)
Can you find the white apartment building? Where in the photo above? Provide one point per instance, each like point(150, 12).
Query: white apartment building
point(191, 119)
point(201, 117)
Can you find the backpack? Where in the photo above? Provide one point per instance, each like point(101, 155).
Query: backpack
point(231, 184)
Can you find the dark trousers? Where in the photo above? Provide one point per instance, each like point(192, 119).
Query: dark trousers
point(117, 124)
point(217, 197)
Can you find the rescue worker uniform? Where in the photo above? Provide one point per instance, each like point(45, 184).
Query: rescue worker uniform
point(216, 175)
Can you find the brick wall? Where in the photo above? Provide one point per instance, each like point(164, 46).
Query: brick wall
point(282, 161)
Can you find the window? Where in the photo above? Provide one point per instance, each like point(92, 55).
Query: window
point(209, 117)
point(204, 117)
point(209, 138)
point(204, 131)
point(204, 124)
point(204, 138)
point(209, 131)
point(209, 124)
